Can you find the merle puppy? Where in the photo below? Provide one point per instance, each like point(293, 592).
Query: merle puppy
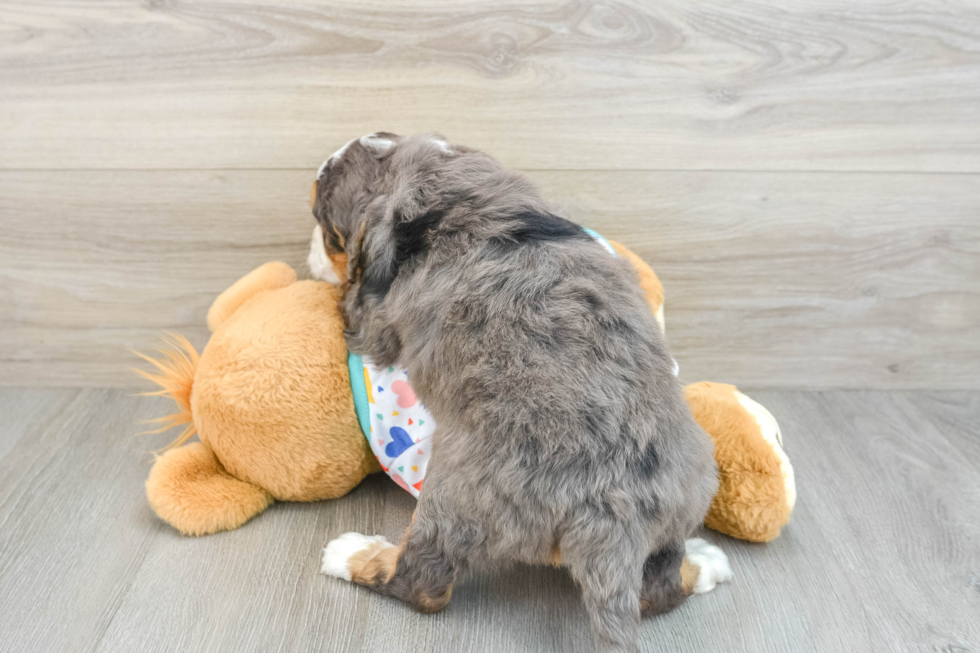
point(562, 436)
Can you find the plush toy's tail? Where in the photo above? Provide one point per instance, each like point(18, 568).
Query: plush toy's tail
point(175, 378)
point(188, 487)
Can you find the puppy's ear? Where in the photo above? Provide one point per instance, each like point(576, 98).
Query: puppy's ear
point(379, 143)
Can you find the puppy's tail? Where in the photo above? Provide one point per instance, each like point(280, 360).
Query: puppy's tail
point(176, 368)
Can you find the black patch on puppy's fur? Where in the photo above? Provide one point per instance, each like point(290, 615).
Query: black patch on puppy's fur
point(538, 227)
point(412, 240)
point(649, 461)
point(412, 237)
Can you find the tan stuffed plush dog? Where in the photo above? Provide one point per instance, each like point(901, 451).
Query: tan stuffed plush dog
point(270, 400)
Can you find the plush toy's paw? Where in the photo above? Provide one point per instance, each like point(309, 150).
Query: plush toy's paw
point(756, 489)
point(769, 428)
point(190, 490)
point(711, 560)
point(343, 551)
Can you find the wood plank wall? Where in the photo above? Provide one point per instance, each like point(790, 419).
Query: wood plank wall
point(805, 178)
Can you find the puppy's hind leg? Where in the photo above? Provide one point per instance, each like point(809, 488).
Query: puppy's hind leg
point(664, 586)
point(417, 571)
point(678, 570)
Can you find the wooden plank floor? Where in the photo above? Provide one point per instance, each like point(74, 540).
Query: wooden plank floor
point(883, 553)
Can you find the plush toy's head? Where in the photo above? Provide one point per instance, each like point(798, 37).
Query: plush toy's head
point(270, 400)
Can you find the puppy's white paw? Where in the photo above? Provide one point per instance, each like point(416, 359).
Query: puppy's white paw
point(339, 552)
point(712, 561)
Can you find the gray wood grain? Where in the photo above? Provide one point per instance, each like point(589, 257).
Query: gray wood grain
point(153, 153)
point(805, 85)
point(882, 553)
point(772, 279)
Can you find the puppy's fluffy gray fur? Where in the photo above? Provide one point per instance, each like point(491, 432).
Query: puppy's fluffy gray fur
point(560, 426)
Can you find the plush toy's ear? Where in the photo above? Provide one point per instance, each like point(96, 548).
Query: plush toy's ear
point(267, 277)
point(649, 282)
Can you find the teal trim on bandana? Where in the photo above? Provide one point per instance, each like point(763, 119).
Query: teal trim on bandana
point(602, 241)
point(359, 390)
